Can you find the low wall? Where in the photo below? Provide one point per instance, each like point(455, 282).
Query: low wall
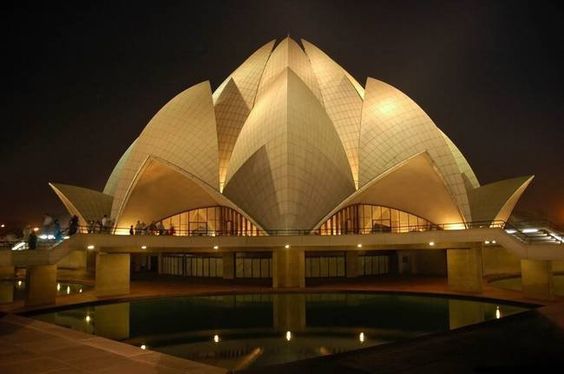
point(74, 260)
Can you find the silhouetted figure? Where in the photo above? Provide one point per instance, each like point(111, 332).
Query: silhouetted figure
point(32, 241)
point(131, 232)
point(57, 230)
point(73, 225)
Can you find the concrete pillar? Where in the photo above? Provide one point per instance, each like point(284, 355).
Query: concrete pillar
point(288, 268)
point(7, 272)
point(536, 276)
point(464, 269)
point(40, 285)
point(228, 265)
point(112, 274)
point(351, 261)
point(289, 312)
point(6, 292)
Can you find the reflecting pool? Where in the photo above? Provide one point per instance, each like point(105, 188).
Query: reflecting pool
point(242, 331)
point(12, 290)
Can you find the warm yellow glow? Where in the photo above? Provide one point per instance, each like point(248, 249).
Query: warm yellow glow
point(36, 229)
point(216, 247)
point(88, 318)
point(361, 337)
point(90, 247)
point(359, 245)
point(68, 290)
point(19, 283)
point(143, 247)
point(287, 246)
point(486, 242)
point(66, 237)
point(497, 312)
point(2, 225)
point(216, 338)
point(122, 231)
point(143, 346)
point(431, 243)
point(80, 290)
point(387, 106)
point(455, 226)
point(288, 335)
point(58, 286)
point(493, 242)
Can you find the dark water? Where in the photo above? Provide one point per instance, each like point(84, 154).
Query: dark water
point(241, 331)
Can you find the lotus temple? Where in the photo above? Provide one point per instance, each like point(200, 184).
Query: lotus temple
point(289, 173)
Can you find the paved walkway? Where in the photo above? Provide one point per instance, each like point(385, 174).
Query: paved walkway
point(30, 346)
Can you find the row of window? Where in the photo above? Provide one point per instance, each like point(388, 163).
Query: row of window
point(367, 219)
point(354, 219)
point(261, 267)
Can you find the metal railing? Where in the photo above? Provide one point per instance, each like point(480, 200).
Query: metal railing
point(526, 232)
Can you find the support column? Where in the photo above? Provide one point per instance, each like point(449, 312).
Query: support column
point(351, 261)
point(536, 276)
point(464, 267)
point(112, 274)
point(288, 268)
point(7, 272)
point(228, 265)
point(40, 285)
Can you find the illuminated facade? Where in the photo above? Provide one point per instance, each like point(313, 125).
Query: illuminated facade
point(291, 141)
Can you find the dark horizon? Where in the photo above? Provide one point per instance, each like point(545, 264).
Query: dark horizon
point(85, 79)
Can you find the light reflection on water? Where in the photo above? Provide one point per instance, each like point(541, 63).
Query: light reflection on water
point(12, 290)
point(241, 331)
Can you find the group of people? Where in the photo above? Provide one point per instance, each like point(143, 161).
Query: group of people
point(103, 225)
point(51, 229)
point(154, 228)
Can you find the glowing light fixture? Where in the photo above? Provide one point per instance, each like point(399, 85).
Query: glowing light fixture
point(68, 290)
point(91, 247)
point(359, 245)
point(143, 346)
point(431, 243)
point(497, 312)
point(216, 338)
point(288, 335)
point(529, 231)
point(36, 229)
point(486, 242)
point(2, 225)
point(18, 246)
point(88, 318)
point(58, 286)
point(143, 247)
point(66, 237)
point(287, 246)
point(493, 241)
point(80, 290)
point(361, 337)
point(216, 247)
point(511, 231)
point(19, 283)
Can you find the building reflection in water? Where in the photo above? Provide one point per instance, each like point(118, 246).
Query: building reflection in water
point(241, 331)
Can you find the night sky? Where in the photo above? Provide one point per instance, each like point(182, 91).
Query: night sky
point(84, 78)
